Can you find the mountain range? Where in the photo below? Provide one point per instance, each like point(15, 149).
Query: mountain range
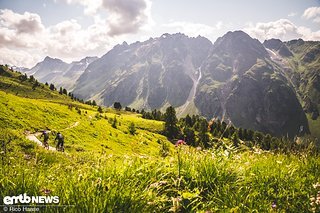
point(262, 86)
point(58, 72)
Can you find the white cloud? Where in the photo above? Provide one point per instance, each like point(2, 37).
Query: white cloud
point(18, 57)
point(191, 29)
point(22, 23)
point(124, 16)
point(312, 13)
point(317, 19)
point(282, 29)
point(292, 14)
point(219, 25)
point(66, 40)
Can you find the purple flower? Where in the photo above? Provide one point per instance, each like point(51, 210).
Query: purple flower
point(180, 142)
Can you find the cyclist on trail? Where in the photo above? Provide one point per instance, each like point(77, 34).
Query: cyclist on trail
point(60, 139)
point(45, 136)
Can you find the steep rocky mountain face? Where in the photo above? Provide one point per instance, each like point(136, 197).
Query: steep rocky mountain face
point(306, 73)
point(151, 75)
point(242, 84)
point(302, 68)
point(58, 72)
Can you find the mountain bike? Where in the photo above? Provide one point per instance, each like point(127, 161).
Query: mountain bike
point(46, 145)
point(60, 147)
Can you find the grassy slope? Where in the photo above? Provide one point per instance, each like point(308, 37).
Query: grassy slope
point(92, 133)
point(107, 169)
point(23, 108)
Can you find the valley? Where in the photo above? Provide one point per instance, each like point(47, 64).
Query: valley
point(252, 156)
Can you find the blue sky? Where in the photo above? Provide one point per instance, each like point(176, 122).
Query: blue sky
point(73, 29)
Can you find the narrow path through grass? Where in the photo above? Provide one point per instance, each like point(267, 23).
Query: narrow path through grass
point(33, 137)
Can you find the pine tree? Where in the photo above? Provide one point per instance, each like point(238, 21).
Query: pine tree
point(64, 91)
point(226, 133)
point(257, 137)
point(132, 128)
point(266, 142)
point(24, 77)
point(203, 136)
point(61, 91)
point(189, 136)
point(235, 139)
point(94, 103)
point(52, 87)
point(117, 106)
point(114, 122)
point(188, 121)
point(248, 134)
point(31, 79)
point(240, 133)
point(170, 127)
point(100, 110)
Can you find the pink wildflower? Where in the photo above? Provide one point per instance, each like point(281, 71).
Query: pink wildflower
point(180, 142)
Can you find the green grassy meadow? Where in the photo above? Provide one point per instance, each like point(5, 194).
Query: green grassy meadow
point(107, 169)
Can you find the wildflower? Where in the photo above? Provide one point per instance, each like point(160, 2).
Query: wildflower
point(99, 180)
point(180, 142)
point(80, 177)
point(176, 204)
point(199, 148)
point(46, 191)
point(317, 185)
point(274, 205)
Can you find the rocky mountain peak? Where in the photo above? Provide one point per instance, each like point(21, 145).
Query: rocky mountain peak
point(278, 45)
point(273, 43)
point(88, 59)
point(239, 42)
point(48, 59)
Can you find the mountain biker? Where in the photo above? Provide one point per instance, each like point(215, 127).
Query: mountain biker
point(45, 136)
point(60, 139)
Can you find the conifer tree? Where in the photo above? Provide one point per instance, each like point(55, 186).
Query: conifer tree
point(171, 129)
point(203, 136)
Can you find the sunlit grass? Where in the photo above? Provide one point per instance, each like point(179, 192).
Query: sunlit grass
point(216, 180)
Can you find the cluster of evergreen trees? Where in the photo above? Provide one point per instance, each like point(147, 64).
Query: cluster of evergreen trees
point(129, 109)
point(197, 131)
point(153, 115)
point(31, 79)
